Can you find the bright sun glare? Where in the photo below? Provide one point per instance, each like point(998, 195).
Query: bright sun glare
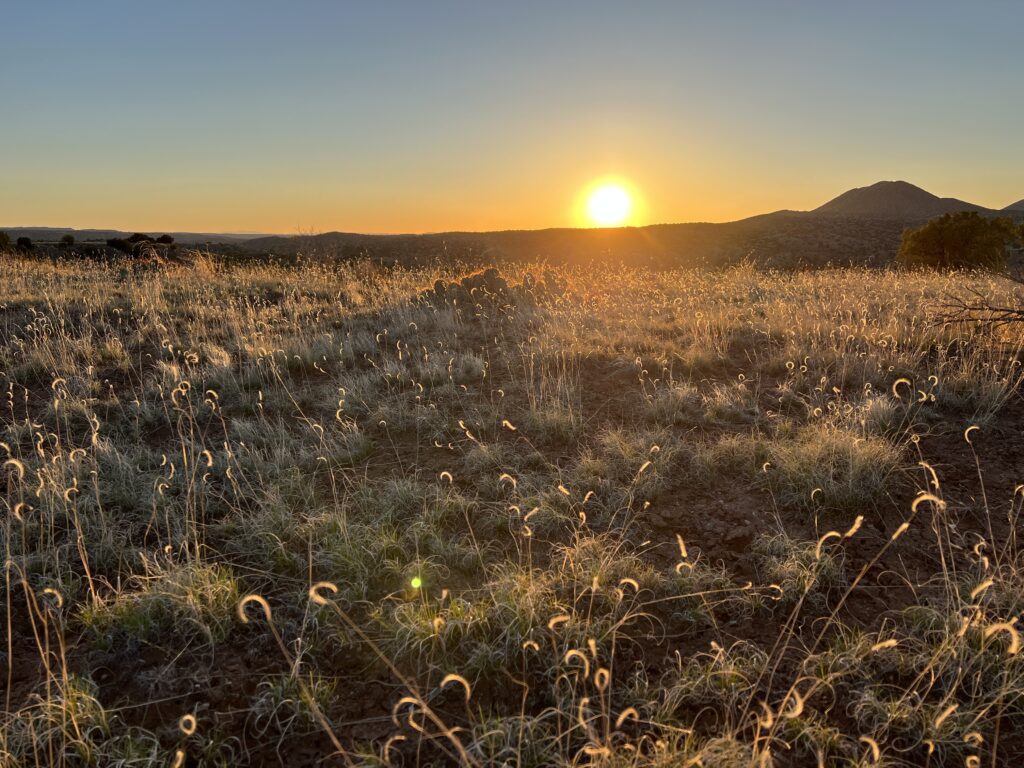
point(609, 205)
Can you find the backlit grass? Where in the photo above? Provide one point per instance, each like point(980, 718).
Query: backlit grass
point(657, 518)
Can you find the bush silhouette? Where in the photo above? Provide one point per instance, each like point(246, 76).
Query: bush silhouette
point(165, 239)
point(965, 239)
point(67, 241)
point(120, 244)
point(24, 244)
point(5, 241)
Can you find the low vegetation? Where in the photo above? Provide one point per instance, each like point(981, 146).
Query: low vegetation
point(342, 514)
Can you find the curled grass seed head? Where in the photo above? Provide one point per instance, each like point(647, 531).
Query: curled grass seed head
point(17, 466)
point(260, 601)
point(581, 712)
point(876, 753)
point(577, 654)
point(455, 678)
point(944, 715)
point(387, 746)
point(981, 588)
point(822, 540)
point(798, 706)
point(557, 620)
point(930, 498)
point(931, 471)
point(626, 714)
point(1009, 628)
point(187, 724)
point(410, 701)
point(320, 586)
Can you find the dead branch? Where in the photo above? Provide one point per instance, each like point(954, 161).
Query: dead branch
point(979, 311)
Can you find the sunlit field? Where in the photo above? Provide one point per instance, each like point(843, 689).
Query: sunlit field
point(342, 514)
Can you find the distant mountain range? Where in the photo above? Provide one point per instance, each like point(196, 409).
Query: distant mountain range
point(861, 226)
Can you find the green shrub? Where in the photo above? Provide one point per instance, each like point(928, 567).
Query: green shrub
point(964, 239)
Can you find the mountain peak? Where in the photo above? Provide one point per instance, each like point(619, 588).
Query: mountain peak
point(1017, 207)
point(893, 200)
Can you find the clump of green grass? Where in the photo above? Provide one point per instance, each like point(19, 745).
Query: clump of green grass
point(625, 468)
point(822, 467)
point(175, 601)
point(71, 727)
point(803, 570)
point(679, 404)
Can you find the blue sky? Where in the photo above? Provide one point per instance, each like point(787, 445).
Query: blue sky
point(312, 116)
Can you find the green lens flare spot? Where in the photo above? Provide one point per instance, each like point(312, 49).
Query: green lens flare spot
point(416, 582)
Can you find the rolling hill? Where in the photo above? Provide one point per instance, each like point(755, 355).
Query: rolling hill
point(783, 238)
point(861, 226)
point(894, 200)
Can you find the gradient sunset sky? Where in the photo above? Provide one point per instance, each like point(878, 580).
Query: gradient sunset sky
point(430, 116)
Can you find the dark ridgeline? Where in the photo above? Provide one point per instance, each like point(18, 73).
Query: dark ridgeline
point(862, 226)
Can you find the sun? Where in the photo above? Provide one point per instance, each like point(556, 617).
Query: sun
point(609, 205)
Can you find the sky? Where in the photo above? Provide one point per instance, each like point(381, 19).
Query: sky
point(252, 116)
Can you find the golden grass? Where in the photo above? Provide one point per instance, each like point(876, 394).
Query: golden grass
point(448, 533)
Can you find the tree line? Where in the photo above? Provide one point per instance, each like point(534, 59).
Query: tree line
point(130, 245)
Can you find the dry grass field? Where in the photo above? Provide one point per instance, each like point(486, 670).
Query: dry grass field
point(327, 515)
